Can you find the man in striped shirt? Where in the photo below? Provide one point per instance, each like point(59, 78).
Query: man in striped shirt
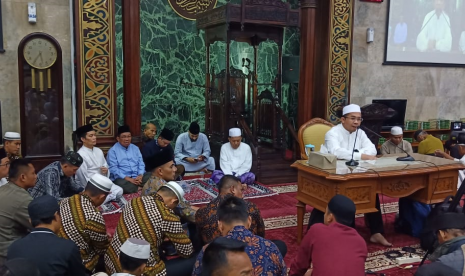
point(84, 224)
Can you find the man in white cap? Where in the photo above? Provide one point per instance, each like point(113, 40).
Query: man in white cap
point(151, 218)
point(235, 159)
point(396, 143)
point(133, 257)
point(11, 145)
point(84, 224)
point(339, 141)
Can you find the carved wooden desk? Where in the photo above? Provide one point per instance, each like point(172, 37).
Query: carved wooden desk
point(429, 180)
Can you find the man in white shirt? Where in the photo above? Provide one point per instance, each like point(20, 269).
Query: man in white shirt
point(435, 34)
point(339, 141)
point(235, 159)
point(93, 160)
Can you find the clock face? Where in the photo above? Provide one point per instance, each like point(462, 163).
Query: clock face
point(40, 53)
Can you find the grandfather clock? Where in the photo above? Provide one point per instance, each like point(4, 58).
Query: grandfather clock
point(41, 98)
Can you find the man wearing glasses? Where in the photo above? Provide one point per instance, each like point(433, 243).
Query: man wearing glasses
point(339, 141)
point(4, 168)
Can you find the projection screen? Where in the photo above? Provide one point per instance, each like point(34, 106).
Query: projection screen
point(425, 32)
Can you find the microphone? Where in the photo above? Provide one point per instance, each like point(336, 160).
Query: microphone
point(352, 162)
point(406, 158)
point(243, 62)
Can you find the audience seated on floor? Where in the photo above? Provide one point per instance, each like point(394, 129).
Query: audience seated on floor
point(235, 159)
point(234, 222)
point(4, 168)
point(396, 143)
point(84, 224)
point(226, 257)
point(57, 178)
point(151, 218)
point(126, 165)
point(150, 130)
point(93, 160)
point(206, 217)
point(193, 150)
point(334, 242)
point(450, 231)
point(53, 256)
point(162, 143)
point(164, 171)
point(14, 200)
point(428, 143)
point(19, 267)
point(133, 257)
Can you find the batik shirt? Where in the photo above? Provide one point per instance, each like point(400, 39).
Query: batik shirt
point(148, 218)
point(183, 209)
point(207, 220)
point(265, 256)
point(52, 181)
point(84, 225)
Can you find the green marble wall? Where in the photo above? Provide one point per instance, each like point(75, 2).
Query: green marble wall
point(171, 50)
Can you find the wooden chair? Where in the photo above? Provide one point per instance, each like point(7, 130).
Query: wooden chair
point(313, 132)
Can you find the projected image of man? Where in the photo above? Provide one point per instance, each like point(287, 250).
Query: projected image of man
point(435, 34)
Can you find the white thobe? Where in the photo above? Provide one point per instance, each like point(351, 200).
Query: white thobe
point(93, 160)
point(3, 181)
point(340, 142)
point(238, 161)
point(435, 28)
point(461, 172)
point(121, 274)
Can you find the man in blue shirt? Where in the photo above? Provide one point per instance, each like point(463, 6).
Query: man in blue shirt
point(126, 165)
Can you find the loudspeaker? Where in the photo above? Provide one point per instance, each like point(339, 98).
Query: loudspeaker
point(291, 66)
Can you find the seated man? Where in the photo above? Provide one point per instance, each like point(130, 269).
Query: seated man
point(460, 148)
point(428, 143)
point(57, 178)
point(206, 217)
point(11, 145)
point(14, 199)
point(193, 150)
point(151, 218)
point(126, 165)
point(4, 168)
point(133, 257)
point(450, 231)
point(63, 258)
point(226, 257)
point(18, 267)
point(335, 238)
point(235, 159)
point(164, 171)
point(340, 141)
point(93, 160)
point(150, 131)
point(84, 224)
point(234, 222)
point(162, 143)
point(396, 143)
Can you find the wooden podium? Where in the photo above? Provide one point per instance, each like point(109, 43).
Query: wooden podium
point(428, 180)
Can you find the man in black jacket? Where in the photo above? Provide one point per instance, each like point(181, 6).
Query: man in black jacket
point(53, 255)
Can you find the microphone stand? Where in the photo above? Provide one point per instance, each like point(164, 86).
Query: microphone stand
point(352, 162)
point(406, 158)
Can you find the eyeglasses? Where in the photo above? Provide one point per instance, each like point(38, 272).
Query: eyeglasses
point(354, 118)
point(7, 164)
point(125, 137)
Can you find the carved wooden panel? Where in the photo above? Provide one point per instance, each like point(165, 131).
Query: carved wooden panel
point(446, 184)
point(316, 190)
point(401, 186)
point(359, 195)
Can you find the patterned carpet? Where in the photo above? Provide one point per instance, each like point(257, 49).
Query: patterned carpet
point(279, 213)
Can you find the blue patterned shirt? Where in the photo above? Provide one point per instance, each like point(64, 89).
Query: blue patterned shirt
point(264, 254)
point(125, 162)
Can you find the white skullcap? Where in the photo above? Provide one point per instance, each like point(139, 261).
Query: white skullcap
point(102, 182)
point(12, 136)
point(235, 132)
point(136, 248)
point(396, 130)
point(351, 108)
point(176, 188)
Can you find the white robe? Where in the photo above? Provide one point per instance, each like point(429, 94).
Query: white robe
point(461, 172)
point(3, 181)
point(435, 28)
point(93, 160)
point(237, 160)
point(340, 142)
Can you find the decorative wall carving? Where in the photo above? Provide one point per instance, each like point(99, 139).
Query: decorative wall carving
point(339, 56)
point(187, 9)
point(96, 82)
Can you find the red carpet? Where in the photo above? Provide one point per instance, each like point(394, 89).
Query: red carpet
point(279, 213)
